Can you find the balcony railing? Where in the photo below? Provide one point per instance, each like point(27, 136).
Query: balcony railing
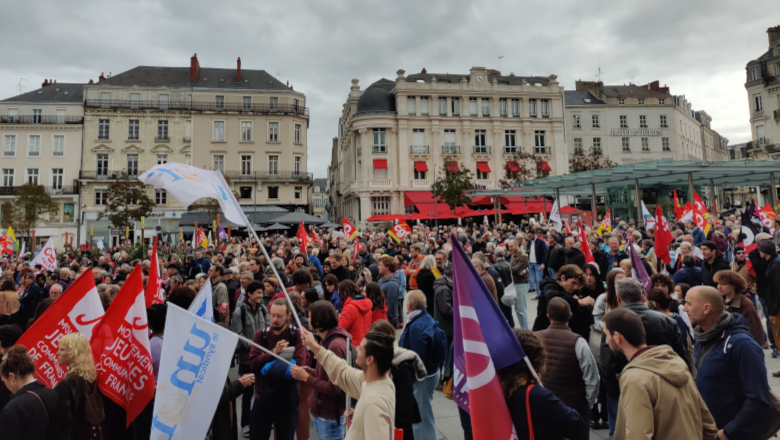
point(481, 149)
point(484, 183)
point(485, 113)
point(40, 119)
point(109, 174)
point(532, 114)
point(203, 106)
point(50, 190)
point(777, 114)
point(450, 149)
point(545, 115)
point(542, 150)
point(381, 183)
point(164, 138)
point(509, 149)
point(762, 141)
point(420, 149)
point(269, 176)
point(421, 183)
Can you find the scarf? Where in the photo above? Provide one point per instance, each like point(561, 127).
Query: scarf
point(412, 316)
point(707, 339)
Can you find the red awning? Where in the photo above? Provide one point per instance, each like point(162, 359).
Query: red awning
point(544, 166)
point(452, 167)
point(483, 167)
point(380, 164)
point(513, 166)
point(420, 166)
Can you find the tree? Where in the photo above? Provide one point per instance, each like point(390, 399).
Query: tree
point(589, 160)
point(451, 186)
point(126, 202)
point(25, 211)
point(523, 166)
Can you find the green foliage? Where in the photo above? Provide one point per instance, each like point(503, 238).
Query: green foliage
point(24, 212)
point(451, 187)
point(126, 202)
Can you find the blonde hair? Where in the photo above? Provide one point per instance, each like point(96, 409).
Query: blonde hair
point(77, 346)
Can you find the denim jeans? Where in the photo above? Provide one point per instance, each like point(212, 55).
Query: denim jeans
point(612, 411)
point(423, 393)
point(329, 429)
point(536, 275)
point(521, 306)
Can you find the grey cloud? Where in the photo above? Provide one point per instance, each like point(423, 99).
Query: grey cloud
point(697, 48)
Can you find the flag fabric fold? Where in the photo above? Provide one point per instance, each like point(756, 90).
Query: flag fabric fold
point(303, 237)
point(483, 343)
point(648, 219)
point(77, 311)
point(47, 257)
point(187, 184)
point(315, 237)
point(555, 217)
point(638, 271)
point(584, 246)
point(751, 223)
point(677, 208)
point(356, 249)
point(120, 347)
point(663, 236)
point(768, 217)
point(154, 290)
point(194, 363)
point(399, 231)
point(349, 231)
point(203, 305)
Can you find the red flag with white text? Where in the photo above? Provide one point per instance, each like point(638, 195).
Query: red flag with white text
point(663, 236)
point(677, 208)
point(357, 249)
point(154, 289)
point(120, 347)
point(315, 237)
point(584, 246)
point(77, 310)
point(303, 237)
point(349, 230)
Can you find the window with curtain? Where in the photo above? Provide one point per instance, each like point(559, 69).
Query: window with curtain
point(516, 107)
point(424, 107)
point(442, 106)
point(219, 130)
point(502, 106)
point(34, 147)
point(455, 107)
point(411, 105)
point(473, 106)
point(532, 107)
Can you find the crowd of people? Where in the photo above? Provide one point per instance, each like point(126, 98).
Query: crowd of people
point(681, 358)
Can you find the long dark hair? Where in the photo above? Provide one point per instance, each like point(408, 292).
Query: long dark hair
point(374, 293)
point(516, 375)
point(348, 289)
point(612, 301)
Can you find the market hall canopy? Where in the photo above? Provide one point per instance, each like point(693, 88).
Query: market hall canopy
point(647, 174)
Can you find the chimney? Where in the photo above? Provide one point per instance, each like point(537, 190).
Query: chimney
point(653, 86)
point(774, 34)
point(91, 82)
point(45, 83)
point(102, 76)
point(238, 70)
point(424, 71)
point(194, 68)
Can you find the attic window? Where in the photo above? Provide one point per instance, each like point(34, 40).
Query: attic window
point(222, 80)
point(40, 91)
point(421, 81)
point(56, 90)
point(66, 93)
point(587, 99)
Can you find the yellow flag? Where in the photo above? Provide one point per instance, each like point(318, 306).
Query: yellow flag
point(10, 234)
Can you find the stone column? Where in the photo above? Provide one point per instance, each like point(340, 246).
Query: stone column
point(449, 106)
point(366, 164)
point(417, 110)
point(402, 143)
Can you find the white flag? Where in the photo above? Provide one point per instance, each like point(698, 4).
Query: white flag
point(188, 184)
point(24, 248)
point(194, 364)
point(47, 258)
point(202, 305)
point(648, 219)
point(555, 217)
point(100, 245)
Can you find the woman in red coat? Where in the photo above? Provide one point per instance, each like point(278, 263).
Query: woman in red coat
point(356, 313)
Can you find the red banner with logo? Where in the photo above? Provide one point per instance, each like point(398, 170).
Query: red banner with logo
point(154, 290)
point(76, 311)
point(663, 236)
point(315, 237)
point(120, 347)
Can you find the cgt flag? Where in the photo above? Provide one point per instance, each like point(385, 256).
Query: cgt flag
point(303, 237)
point(315, 237)
point(349, 230)
point(154, 289)
point(120, 347)
point(663, 236)
point(47, 257)
point(678, 212)
point(584, 246)
point(399, 231)
point(194, 363)
point(76, 311)
point(483, 342)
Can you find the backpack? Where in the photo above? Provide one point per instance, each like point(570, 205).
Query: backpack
point(350, 347)
point(440, 344)
point(93, 408)
point(292, 341)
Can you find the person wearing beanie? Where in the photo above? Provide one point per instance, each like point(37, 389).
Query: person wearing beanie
point(768, 252)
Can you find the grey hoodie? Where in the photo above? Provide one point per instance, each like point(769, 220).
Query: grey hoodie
point(391, 288)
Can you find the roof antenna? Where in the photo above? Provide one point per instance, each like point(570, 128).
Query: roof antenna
point(499, 63)
point(600, 72)
point(20, 86)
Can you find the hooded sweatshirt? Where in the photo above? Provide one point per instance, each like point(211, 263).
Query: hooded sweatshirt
point(355, 317)
point(391, 288)
point(659, 399)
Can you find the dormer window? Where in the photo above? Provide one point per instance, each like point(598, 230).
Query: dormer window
point(621, 101)
point(753, 74)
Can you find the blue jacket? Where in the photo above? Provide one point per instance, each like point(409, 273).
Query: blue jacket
point(732, 381)
point(205, 264)
point(688, 275)
point(418, 337)
point(391, 287)
point(335, 299)
point(698, 237)
point(316, 263)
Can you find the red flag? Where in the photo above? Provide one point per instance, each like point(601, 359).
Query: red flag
point(120, 347)
point(357, 248)
point(76, 311)
point(584, 246)
point(568, 227)
point(678, 212)
point(349, 230)
point(663, 236)
point(154, 290)
point(303, 237)
point(315, 237)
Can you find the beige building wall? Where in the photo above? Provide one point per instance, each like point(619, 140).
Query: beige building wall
point(763, 90)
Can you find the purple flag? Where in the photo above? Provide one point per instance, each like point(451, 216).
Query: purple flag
point(638, 271)
point(483, 343)
point(222, 234)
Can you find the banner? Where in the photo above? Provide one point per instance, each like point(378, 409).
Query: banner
point(202, 305)
point(315, 237)
point(194, 364)
point(483, 343)
point(584, 245)
point(768, 217)
point(638, 271)
point(120, 347)
point(77, 310)
point(47, 257)
point(188, 183)
point(555, 217)
point(648, 219)
point(349, 231)
point(154, 290)
point(663, 236)
point(677, 208)
point(6, 245)
point(400, 230)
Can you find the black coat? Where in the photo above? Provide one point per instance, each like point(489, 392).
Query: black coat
point(24, 418)
point(28, 302)
point(576, 257)
point(407, 412)
point(221, 427)
point(71, 420)
point(556, 256)
point(659, 330)
point(603, 261)
point(579, 322)
point(709, 270)
point(425, 280)
point(773, 286)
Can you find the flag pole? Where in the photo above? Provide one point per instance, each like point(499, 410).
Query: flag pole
point(349, 399)
point(260, 347)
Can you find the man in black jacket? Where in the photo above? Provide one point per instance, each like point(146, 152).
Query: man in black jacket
point(659, 330)
point(567, 282)
point(555, 256)
point(712, 263)
point(573, 254)
point(768, 253)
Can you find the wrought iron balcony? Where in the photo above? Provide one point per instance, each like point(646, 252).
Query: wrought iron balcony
point(762, 141)
point(510, 149)
point(201, 106)
point(164, 138)
point(777, 114)
point(50, 190)
point(420, 149)
point(110, 174)
point(450, 149)
point(40, 119)
point(481, 149)
point(269, 176)
point(543, 150)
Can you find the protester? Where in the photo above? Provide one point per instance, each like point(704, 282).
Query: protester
point(731, 375)
point(689, 273)
point(379, 305)
point(770, 286)
point(390, 286)
point(374, 414)
point(527, 399)
point(732, 286)
point(571, 372)
point(565, 285)
point(31, 411)
point(356, 315)
point(9, 301)
point(658, 397)
point(76, 418)
point(537, 259)
point(331, 290)
point(442, 311)
point(426, 279)
point(9, 334)
point(712, 263)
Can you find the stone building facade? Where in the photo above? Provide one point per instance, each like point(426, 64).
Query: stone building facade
point(763, 90)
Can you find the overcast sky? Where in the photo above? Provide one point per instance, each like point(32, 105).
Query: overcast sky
point(698, 49)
